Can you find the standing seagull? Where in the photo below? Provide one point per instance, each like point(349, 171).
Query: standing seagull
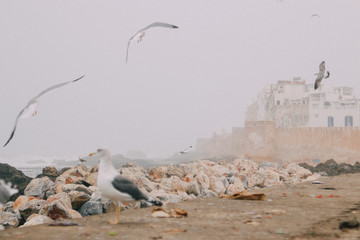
point(30, 108)
point(6, 191)
point(141, 33)
point(320, 75)
point(116, 187)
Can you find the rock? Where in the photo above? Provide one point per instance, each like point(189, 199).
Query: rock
point(37, 219)
point(217, 185)
point(270, 177)
point(133, 173)
point(256, 180)
point(8, 207)
point(9, 220)
point(2, 227)
point(15, 177)
point(146, 183)
point(91, 178)
point(91, 208)
point(59, 206)
point(193, 188)
point(78, 199)
point(76, 187)
point(209, 193)
point(165, 197)
point(30, 207)
point(203, 180)
point(295, 170)
point(50, 172)
point(38, 187)
point(236, 186)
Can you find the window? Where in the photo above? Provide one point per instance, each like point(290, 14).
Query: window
point(330, 121)
point(348, 121)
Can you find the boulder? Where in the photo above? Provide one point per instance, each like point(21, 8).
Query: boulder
point(37, 219)
point(145, 183)
point(217, 185)
point(78, 199)
point(91, 208)
point(38, 187)
point(8, 207)
point(59, 206)
point(30, 207)
point(9, 220)
point(235, 187)
point(76, 187)
point(50, 172)
point(193, 188)
point(91, 178)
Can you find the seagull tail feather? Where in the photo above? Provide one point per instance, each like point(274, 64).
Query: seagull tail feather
point(155, 202)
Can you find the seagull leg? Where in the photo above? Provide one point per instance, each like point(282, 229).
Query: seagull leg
point(117, 220)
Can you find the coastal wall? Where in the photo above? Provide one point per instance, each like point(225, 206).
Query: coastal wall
point(263, 141)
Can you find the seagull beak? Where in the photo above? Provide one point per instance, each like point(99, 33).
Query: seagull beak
point(91, 154)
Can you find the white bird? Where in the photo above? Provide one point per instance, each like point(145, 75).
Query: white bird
point(183, 152)
point(320, 75)
point(315, 15)
point(115, 187)
point(30, 108)
point(138, 36)
point(6, 191)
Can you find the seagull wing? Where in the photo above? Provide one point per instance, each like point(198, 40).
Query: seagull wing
point(155, 24)
point(328, 74)
point(124, 185)
point(318, 81)
point(56, 86)
point(32, 102)
point(322, 66)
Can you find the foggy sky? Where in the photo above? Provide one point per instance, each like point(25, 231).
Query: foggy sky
point(178, 85)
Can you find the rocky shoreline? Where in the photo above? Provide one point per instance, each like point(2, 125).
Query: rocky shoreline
point(72, 193)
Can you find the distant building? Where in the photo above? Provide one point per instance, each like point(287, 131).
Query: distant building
point(296, 104)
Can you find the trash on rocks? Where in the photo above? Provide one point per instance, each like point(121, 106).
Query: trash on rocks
point(245, 195)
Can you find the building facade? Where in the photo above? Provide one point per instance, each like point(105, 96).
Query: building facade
point(296, 104)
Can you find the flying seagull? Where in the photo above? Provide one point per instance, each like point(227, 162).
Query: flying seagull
point(138, 36)
point(115, 187)
point(30, 108)
point(6, 191)
point(320, 74)
point(315, 15)
point(183, 152)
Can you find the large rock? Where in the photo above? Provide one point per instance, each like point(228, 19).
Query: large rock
point(9, 220)
point(193, 188)
point(217, 185)
point(59, 206)
point(49, 172)
point(37, 219)
point(30, 207)
point(15, 177)
point(91, 208)
point(78, 199)
point(76, 187)
point(38, 187)
point(146, 183)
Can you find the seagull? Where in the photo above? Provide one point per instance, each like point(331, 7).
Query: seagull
point(138, 36)
point(31, 108)
point(6, 191)
point(81, 164)
point(320, 74)
point(116, 187)
point(183, 152)
point(315, 15)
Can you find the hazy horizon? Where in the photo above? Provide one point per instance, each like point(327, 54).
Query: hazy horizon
point(178, 85)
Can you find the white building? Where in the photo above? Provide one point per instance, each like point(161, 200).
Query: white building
point(296, 104)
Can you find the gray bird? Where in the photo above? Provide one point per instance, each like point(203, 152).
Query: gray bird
point(320, 75)
point(116, 187)
point(5, 192)
point(31, 108)
point(138, 36)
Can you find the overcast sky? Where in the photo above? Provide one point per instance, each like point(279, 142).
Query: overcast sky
point(179, 84)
